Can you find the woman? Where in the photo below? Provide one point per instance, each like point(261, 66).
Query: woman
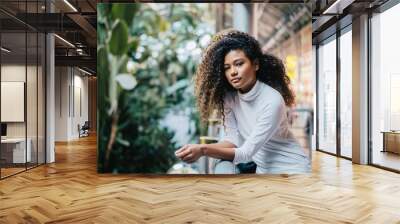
point(250, 90)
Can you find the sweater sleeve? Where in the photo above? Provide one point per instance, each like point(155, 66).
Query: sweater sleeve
point(231, 133)
point(267, 123)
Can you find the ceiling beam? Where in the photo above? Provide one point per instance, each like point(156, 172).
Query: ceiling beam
point(81, 61)
point(86, 26)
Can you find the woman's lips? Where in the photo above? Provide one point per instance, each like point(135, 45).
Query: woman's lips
point(235, 80)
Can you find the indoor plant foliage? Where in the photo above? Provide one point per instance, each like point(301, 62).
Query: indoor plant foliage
point(146, 60)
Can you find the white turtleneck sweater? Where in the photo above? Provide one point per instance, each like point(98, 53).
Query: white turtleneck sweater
point(256, 122)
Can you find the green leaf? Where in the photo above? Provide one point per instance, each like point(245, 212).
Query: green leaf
point(124, 12)
point(141, 111)
point(164, 25)
point(126, 81)
point(102, 90)
point(101, 33)
point(123, 142)
point(174, 69)
point(178, 85)
point(103, 9)
point(119, 38)
point(102, 61)
point(133, 45)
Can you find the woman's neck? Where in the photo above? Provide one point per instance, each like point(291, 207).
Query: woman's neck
point(249, 87)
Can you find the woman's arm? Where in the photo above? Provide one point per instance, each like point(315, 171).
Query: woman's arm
point(217, 151)
point(223, 144)
point(192, 152)
point(225, 149)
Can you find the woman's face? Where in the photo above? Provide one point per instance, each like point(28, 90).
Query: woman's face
point(240, 71)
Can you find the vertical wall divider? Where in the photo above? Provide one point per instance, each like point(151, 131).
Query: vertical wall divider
point(317, 97)
point(60, 76)
point(69, 92)
point(26, 86)
point(369, 78)
point(338, 98)
point(45, 94)
point(0, 92)
point(73, 94)
point(46, 3)
point(37, 90)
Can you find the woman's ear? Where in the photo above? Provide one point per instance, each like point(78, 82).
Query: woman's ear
point(256, 64)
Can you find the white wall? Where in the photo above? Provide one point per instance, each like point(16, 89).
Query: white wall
point(81, 82)
point(71, 94)
point(12, 73)
point(33, 127)
point(61, 103)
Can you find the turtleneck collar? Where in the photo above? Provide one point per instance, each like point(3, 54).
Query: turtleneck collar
point(252, 94)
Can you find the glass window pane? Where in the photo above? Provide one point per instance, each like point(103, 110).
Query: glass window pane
point(385, 85)
point(14, 149)
point(31, 96)
point(327, 96)
point(32, 84)
point(346, 94)
point(23, 88)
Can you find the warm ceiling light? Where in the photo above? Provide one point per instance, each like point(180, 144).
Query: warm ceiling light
point(70, 5)
point(79, 51)
point(5, 49)
point(64, 40)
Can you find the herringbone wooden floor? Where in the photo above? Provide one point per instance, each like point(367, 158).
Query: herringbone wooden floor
point(70, 191)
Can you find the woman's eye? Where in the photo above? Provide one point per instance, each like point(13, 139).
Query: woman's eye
point(239, 64)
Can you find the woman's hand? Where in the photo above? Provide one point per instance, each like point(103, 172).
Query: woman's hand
point(190, 153)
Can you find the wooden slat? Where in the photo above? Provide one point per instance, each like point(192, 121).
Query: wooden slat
point(70, 191)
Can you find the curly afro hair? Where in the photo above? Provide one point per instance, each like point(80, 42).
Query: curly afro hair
point(211, 84)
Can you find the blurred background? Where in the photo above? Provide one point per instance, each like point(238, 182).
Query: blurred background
point(147, 55)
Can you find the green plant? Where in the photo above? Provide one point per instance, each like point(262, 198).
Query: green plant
point(143, 74)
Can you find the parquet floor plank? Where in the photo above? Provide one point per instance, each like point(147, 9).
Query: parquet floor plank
point(71, 191)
